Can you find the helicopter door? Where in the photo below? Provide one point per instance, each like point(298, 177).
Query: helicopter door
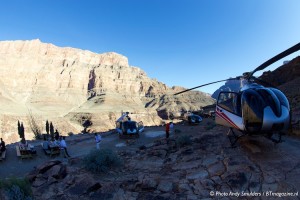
point(228, 111)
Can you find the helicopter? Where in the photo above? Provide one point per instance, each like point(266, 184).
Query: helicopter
point(126, 128)
point(192, 118)
point(254, 109)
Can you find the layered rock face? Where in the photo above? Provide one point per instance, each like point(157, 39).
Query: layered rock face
point(67, 85)
point(33, 72)
point(284, 73)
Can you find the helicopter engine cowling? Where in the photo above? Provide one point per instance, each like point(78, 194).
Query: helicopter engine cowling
point(265, 109)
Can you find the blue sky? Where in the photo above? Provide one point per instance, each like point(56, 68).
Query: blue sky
point(185, 43)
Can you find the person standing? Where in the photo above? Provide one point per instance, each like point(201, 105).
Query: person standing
point(56, 135)
point(171, 127)
point(63, 145)
point(45, 144)
point(98, 140)
point(2, 146)
point(167, 130)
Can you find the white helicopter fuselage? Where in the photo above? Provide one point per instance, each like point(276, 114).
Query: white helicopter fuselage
point(254, 109)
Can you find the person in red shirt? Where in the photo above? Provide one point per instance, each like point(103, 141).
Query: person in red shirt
point(167, 130)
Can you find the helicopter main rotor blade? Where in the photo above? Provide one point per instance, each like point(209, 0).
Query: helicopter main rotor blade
point(276, 58)
point(204, 85)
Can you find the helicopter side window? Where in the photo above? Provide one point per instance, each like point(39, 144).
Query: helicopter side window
point(230, 101)
point(119, 124)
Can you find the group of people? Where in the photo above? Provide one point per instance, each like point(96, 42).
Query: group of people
point(60, 142)
point(56, 142)
point(23, 145)
point(2, 146)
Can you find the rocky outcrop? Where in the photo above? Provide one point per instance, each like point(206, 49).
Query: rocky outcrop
point(170, 106)
point(283, 74)
point(230, 85)
point(67, 84)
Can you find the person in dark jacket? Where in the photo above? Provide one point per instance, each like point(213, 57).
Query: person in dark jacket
point(2, 146)
point(56, 135)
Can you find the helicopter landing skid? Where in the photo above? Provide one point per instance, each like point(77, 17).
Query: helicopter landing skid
point(231, 134)
point(276, 141)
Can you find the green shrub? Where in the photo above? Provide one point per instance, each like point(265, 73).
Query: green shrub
point(70, 134)
point(17, 189)
point(16, 193)
point(184, 141)
point(177, 131)
point(210, 125)
point(103, 160)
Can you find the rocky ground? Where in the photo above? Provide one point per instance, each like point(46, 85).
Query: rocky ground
point(207, 168)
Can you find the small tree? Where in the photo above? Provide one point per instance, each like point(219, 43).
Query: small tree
point(22, 131)
point(184, 141)
point(19, 129)
point(47, 128)
point(51, 130)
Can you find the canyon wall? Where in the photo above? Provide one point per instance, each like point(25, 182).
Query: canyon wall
point(68, 85)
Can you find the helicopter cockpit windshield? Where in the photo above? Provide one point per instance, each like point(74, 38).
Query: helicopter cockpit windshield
point(130, 126)
point(230, 102)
